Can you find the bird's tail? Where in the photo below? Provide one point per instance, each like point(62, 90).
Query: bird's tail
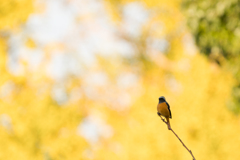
point(169, 126)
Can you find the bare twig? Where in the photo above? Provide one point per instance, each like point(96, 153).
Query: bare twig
point(178, 137)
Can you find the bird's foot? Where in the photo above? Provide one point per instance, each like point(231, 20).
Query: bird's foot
point(169, 127)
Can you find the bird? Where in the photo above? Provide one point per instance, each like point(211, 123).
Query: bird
point(163, 108)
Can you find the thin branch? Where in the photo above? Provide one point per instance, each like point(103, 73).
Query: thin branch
point(178, 137)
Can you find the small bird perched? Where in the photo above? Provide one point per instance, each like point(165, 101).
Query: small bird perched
point(163, 109)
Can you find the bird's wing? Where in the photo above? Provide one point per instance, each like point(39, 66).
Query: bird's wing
point(169, 110)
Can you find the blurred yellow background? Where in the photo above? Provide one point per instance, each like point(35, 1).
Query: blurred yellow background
point(80, 79)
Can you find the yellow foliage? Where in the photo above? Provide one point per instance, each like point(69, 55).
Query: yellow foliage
point(30, 43)
point(14, 12)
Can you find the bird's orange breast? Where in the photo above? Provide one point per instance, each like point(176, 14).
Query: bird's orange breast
point(162, 108)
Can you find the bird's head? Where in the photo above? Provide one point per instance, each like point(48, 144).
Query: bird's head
point(162, 99)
